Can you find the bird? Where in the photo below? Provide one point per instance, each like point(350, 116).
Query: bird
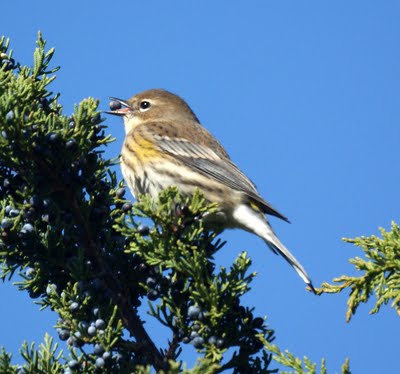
point(166, 145)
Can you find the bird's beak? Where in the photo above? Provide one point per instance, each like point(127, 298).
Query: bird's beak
point(126, 108)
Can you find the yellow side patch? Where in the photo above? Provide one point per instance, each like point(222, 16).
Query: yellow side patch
point(144, 149)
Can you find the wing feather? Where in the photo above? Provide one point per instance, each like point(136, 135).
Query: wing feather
point(207, 162)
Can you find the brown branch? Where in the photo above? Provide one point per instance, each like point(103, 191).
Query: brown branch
point(173, 345)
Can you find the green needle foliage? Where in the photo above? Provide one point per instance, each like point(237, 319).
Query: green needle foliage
point(381, 273)
point(75, 245)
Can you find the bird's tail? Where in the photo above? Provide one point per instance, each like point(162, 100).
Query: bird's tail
point(255, 222)
point(277, 247)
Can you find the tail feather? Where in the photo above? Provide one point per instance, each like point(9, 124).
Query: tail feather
point(256, 223)
point(278, 248)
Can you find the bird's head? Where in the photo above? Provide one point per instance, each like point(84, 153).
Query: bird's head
point(151, 105)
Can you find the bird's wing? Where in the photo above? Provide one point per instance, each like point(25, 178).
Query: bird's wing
point(207, 162)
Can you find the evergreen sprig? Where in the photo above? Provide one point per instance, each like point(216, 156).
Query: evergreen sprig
point(381, 273)
point(301, 366)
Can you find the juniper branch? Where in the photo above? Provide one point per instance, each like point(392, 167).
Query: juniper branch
point(380, 273)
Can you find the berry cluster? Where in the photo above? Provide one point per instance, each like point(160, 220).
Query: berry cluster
point(154, 280)
point(198, 332)
point(7, 63)
point(112, 361)
point(87, 332)
point(103, 360)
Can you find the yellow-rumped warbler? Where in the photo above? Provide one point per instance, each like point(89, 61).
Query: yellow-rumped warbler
point(165, 145)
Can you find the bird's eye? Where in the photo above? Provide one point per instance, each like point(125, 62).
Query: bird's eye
point(144, 105)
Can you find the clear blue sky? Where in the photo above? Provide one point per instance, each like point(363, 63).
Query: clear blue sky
point(305, 97)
